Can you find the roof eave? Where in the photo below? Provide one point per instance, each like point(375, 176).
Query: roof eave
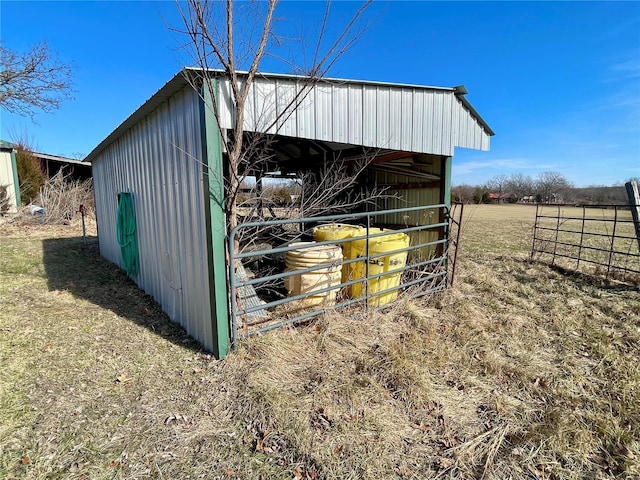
point(343, 81)
point(474, 113)
point(58, 158)
point(178, 81)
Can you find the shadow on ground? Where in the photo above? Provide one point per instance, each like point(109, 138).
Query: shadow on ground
point(628, 283)
point(78, 268)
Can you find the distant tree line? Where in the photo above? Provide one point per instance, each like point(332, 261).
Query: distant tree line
point(547, 187)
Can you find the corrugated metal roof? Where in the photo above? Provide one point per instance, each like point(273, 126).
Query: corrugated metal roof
point(160, 97)
point(460, 91)
point(415, 118)
point(58, 158)
point(6, 145)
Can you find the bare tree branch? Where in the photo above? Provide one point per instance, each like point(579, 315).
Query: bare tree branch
point(226, 41)
point(34, 81)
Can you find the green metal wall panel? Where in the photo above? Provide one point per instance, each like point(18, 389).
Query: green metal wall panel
point(216, 224)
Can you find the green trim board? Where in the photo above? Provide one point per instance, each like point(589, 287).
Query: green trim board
point(446, 180)
point(16, 181)
point(213, 186)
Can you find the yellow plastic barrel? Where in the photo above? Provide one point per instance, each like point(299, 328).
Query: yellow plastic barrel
point(340, 231)
point(308, 255)
point(391, 264)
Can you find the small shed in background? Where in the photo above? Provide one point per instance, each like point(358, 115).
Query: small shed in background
point(52, 164)
point(164, 166)
point(9, 177)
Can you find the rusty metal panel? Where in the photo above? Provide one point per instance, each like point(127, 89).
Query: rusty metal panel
point(158, 161)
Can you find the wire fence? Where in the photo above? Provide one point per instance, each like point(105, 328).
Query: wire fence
point(598, 239)
point(277, 279)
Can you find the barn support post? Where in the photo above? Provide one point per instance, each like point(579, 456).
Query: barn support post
point(213, 186)
point(446, 181)
point(445, 196)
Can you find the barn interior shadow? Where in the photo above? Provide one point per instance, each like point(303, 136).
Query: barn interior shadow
point(78, 268)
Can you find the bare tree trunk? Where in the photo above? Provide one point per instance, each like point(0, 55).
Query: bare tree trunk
point(217, 44)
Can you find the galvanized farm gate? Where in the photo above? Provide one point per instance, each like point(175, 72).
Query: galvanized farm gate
point(599, 238)
point(259, 302)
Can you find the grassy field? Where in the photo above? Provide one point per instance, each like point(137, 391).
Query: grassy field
point(519, 371)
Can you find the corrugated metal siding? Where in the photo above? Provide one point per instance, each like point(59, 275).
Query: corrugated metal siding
point(412, 197)
point(468, 132)
point(380, 116)
point(6, 178)
point(158, 161)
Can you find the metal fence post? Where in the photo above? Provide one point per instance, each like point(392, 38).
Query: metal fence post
point(634, 203)
point(613, 239)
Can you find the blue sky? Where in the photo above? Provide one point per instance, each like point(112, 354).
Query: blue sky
point(558, 82)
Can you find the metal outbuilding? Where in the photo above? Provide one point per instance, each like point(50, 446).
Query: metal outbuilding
point(52, 164)
point(167, 157)
point(9, 176)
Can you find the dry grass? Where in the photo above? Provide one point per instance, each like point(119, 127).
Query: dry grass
point(519, 372)
point(61, 197)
